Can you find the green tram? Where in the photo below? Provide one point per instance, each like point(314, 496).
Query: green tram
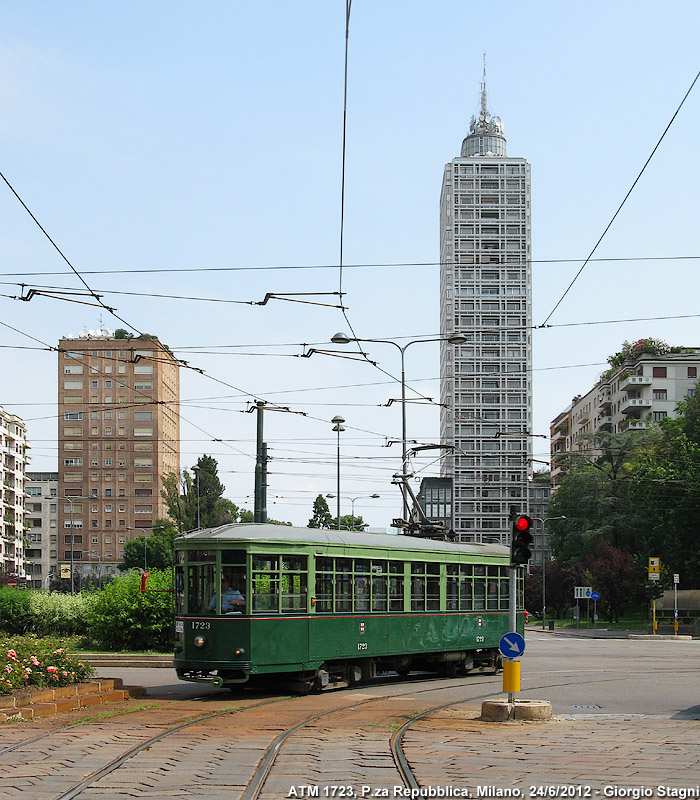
point(316, 609)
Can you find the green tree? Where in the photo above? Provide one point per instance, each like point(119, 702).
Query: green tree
point(156, 551)
point(665, 483)
point(321, 515)
point(348, 523)
point(195, 499)
point(596, 498)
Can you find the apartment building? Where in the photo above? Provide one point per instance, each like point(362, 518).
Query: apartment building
point(643, 390)
point(13, 461)
point(41, 524)
point(538, 494)
point(485, 294)
point(118, 401)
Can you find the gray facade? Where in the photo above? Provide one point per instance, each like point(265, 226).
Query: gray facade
point(41, 520)
point(485, 294)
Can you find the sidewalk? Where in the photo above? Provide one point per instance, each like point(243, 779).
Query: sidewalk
point(608, 753)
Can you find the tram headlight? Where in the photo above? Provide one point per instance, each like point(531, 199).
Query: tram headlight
point(200, 641)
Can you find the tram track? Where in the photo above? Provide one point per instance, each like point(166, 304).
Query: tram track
point(264, 767)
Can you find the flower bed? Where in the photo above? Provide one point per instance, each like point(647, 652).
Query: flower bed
point(25, 664)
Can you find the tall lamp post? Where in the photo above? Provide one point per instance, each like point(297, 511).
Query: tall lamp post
point(456, 338)
point(352, 502)
point(195, 469)
point(544, 521)
point(338, 426)
point(72, 543)
point(145, 541)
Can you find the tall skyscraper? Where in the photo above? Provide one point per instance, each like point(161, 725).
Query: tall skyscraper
point(485, 294)
point(118, 436)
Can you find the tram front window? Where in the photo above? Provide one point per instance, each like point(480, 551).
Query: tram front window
point(200, 587)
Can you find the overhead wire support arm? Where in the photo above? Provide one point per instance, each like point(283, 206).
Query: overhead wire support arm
point(361, 356)
point(54, 294)
point(292, 298)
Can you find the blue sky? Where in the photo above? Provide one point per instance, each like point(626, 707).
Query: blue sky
point(172, 135)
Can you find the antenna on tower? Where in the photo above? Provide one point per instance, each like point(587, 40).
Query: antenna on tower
point(483, 90)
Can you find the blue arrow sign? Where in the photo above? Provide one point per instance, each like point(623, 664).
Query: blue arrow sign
point(511, 645)
point(595, 595)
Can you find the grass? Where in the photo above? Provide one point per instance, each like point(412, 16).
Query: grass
point(630, 620)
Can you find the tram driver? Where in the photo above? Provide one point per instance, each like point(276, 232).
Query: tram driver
point(231, 599)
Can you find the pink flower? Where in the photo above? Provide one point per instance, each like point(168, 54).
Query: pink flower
point(12, 655)
point(51, 669)
point(65, 674)
point(8, 668)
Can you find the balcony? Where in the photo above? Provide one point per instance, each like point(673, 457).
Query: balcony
point(604, 419)
point(635, 425)
point(633, 404)
point(632, 381)
point(604, 398)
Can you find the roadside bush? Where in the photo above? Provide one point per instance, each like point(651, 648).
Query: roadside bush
point(121, 618)
point(43, 613)
point(15, 616)
point(57, 614)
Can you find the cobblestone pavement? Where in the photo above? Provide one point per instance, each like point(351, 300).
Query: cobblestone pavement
point(452, 753)
point(607, 753)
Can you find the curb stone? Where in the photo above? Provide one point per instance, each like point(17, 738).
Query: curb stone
point(48, 702)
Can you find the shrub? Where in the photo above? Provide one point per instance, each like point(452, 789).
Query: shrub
point(15, 616)
point(121, 618)
point(57, 614)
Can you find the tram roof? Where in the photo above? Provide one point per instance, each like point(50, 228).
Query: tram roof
point(252, 532)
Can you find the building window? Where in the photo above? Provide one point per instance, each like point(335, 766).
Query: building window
point(659, 415)
point(660, 394)
point(692, 372)
point(658, 372)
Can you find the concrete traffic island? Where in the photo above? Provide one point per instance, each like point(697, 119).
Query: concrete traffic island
point(518, 711)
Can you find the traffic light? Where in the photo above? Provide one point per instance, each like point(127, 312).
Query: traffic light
point(520, 540)
point(653, 590)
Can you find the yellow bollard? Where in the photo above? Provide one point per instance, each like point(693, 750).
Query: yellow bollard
point(511, 676)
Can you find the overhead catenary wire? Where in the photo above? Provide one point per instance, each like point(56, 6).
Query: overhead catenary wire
point(614, 217)
point(331, 267)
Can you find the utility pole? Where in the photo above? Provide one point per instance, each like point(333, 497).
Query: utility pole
point(260, 508)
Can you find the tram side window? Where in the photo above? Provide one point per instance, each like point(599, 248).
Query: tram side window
point(466, 587)
point(417, 586)
point(503, 590)
point(179, 589)
point(379, 586)
point(452, 587)
point(361, 585)
point(432, 583)
point(492, 593)
point(343, 584)
point(324, 585)
point(265, 583)
point(479, 588)
point(293, 584)
point(396, 586)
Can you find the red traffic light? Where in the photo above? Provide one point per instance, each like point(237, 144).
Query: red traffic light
point(522, 523)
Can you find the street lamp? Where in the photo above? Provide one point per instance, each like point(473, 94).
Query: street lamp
point(543, 521)
point(352, 502)
point(72, 543)
point(338, 426)
point(456, 338)
point(145, 541)
point(195, 469)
